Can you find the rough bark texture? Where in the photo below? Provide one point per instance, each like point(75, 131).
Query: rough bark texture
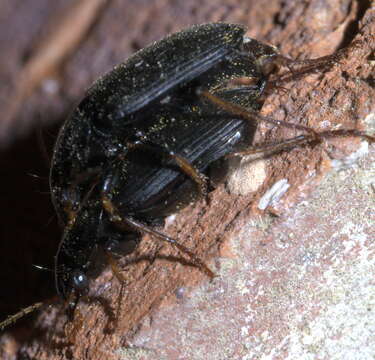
point(281, 271)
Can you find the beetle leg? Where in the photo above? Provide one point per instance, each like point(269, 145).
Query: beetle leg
point(72, 204)
point(182, 163)
point(299, 68)
point(311, 137)
point(268, 66)
point(117, 272)
point(126, 221)
point(276, 147)
point(23, 312)
point(251, 115)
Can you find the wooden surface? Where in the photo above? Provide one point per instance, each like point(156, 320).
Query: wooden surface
point(39, 90)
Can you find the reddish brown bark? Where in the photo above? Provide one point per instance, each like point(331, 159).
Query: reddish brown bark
point(344, 95)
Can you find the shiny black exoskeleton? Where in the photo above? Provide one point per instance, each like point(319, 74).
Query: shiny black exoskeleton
point(122, 137)
point(138, 146)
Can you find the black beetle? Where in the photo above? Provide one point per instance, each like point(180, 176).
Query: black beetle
point(141, 139)
point(138, 146)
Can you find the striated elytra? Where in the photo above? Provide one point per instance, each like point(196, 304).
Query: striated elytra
point(144, 136)
point(139, 145)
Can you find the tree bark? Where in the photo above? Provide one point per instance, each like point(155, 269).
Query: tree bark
point(159, 281)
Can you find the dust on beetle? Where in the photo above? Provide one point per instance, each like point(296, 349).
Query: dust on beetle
point(139, 145)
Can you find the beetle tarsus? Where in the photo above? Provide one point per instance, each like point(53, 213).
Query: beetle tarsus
point(126, 222)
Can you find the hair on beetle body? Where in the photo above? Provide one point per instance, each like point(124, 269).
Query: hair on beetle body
point(138, 146)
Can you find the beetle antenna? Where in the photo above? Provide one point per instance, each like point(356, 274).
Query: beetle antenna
point(15, 317)
point(40, 267)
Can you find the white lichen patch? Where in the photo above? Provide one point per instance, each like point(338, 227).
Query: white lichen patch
point(308, 293)
point(247, 177)
point(352, 159)
point(169, 220)
point(274, 194)
point(135, 353)
point(346, 327)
